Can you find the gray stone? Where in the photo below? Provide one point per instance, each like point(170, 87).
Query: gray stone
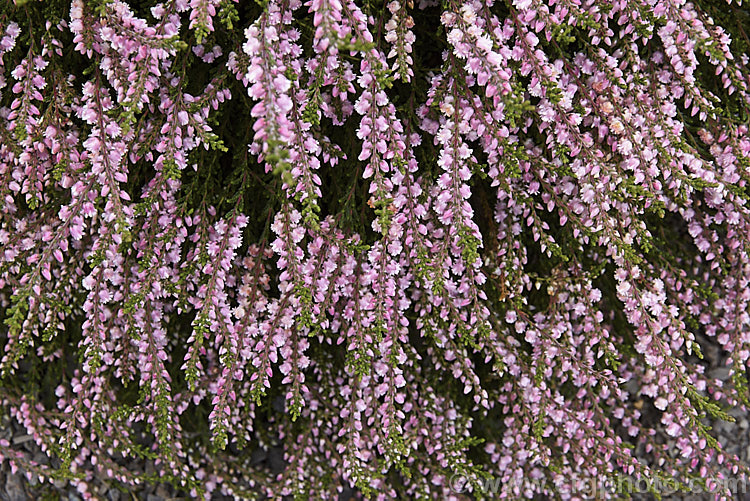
point(22, 439)
point(162, 491)
point(721, 373)
point(14, 489)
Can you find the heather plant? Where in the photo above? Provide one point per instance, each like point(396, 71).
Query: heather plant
point(403, 241)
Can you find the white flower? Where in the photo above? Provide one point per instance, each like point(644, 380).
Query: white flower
point(661, 403)
point(616, 126)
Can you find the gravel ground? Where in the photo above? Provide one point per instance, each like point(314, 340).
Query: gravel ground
point(734, 437)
